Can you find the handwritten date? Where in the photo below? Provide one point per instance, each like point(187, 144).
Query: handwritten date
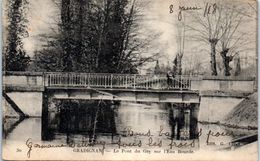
point(208, 9)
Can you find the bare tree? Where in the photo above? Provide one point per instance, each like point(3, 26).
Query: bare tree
point(134, 44)
point(180, 42)
point(206, 28)
point(233, 39)
point(229, 26)
point(220, 29)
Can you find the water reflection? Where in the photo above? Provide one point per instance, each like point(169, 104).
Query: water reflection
point(93, 121)
point(10, 124)
point(97, 119)
point(88, 118)
point(184, 121)
point(137, 117)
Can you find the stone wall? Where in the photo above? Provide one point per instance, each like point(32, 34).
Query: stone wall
point(223, 85)
point(29, 102)
point(23, 79)
point(213, 109)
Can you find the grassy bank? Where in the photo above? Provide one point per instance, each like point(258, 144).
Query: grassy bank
point(245, 113)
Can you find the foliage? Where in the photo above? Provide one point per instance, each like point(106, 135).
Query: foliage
point(15, 58)
point(96, 36)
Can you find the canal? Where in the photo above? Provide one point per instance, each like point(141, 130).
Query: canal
point(121, 124)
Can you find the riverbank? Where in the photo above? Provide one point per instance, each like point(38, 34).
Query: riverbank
point(245, 113)
point(228, 125)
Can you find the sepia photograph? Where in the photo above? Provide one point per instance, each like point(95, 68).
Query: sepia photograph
point(130, 80)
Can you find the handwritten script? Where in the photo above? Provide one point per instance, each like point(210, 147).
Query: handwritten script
point(208, 9)
point(159, 139)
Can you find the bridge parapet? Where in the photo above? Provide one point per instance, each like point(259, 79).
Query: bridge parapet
point(23, 81)
point(125, 81)
point(27, 81)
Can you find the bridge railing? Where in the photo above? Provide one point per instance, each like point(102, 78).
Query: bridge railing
point(128, 81)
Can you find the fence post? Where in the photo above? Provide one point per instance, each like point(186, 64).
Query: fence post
point(68, 80)
point(146, 82)
point(88, 80)
point(181, 82)
point(105, 77)
point(85, 80)
point(134, 80)
point(126, 81)
point(111, 83)
point(189, 83)
point(51, 79)
point(45, 79)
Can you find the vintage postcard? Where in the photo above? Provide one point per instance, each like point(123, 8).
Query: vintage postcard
point(130, 80)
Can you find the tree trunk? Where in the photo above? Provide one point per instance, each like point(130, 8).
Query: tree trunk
point(226, 60)
point(213, 44)
point(99, 49)
point(79, 50)
point(226, 67)
point(66, 26)
point(179, 64)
